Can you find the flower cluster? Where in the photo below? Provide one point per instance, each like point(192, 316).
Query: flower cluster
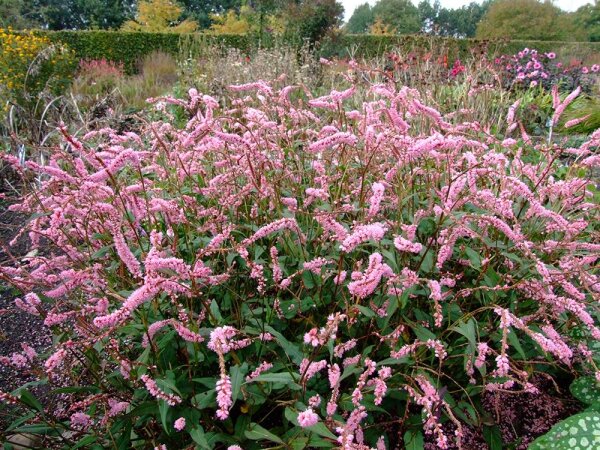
point(386, 260)
point(530, 68)
point(30, 63)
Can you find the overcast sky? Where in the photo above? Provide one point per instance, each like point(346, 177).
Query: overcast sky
point(567, 5)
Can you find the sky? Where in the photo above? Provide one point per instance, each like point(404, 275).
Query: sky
point(350, 5)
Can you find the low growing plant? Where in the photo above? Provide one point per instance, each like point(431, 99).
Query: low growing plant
point(289, 272)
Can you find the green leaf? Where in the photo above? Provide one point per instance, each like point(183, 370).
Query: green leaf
point(516, 344)
point(27, 397)
point(426, 228)
point(299, 443)
point(586, 390)
point(578, 431)
point(367, 312)
point(283, 377)
point(214, 309)
point(163, 409)
point(493, 437)
point(423, 334)
point(469, 330)
point(237, 377)
point(474, 258)
point(308, 279)
point(197, 434)
point(413, 440)
point(258, 433)
point(85, 441)
point(291, 350)
point(205, 399)
point(21, 420)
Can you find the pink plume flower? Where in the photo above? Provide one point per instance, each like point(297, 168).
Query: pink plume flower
point(307, 418)
point(179, 424)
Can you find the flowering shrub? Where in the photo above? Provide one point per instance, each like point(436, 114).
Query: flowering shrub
point(530, 68)
point(94, 68)
point(288, 271)
point(97, 78)
point(30, 64)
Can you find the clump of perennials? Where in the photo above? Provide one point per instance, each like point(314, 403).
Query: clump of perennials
point(291, 269)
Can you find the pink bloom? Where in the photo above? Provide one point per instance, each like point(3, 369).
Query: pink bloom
point(375, 200)
point(224, 399)
point(404, 245)
point(179, 424)
point(80, 420)
point(584, 70)
point(263, 367)
point(364, 284)
point(551, 55)
point(307, 418)
point(332, 141)
point(155, 391)
point(363, 233)
point(595, 68)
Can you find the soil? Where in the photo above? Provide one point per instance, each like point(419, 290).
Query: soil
point(16, 326)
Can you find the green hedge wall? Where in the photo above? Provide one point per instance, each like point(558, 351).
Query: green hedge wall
point(130, 47)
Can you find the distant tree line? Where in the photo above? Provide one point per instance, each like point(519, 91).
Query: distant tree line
point(517, 19)
point(311, 19)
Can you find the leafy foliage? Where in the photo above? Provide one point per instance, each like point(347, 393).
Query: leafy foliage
point(79, 14)
point(588, 18)
point(528, 19)
point(30, 64)
point(311, 20)
point(399, 15)
point(578, 431)
point(361, 20)
point(156, 16)
point(586, 390)
point(459, 22)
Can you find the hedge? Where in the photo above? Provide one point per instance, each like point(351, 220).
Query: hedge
point(130, 47)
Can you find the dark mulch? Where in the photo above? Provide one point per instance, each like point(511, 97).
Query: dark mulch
point(16, 326)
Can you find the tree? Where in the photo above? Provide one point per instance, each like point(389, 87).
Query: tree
point(78, 14)
point(429, 15)
point(361, 20)
point(311, 19)
point(201, 10)
point(459, 22)
point(14, 14)
point(159, 16)
point(400, 15)
point(528, 19)
point(462, 22)
point(588, 18)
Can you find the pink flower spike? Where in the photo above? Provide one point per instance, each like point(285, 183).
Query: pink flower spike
point(179, 424)
point(307, 418)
